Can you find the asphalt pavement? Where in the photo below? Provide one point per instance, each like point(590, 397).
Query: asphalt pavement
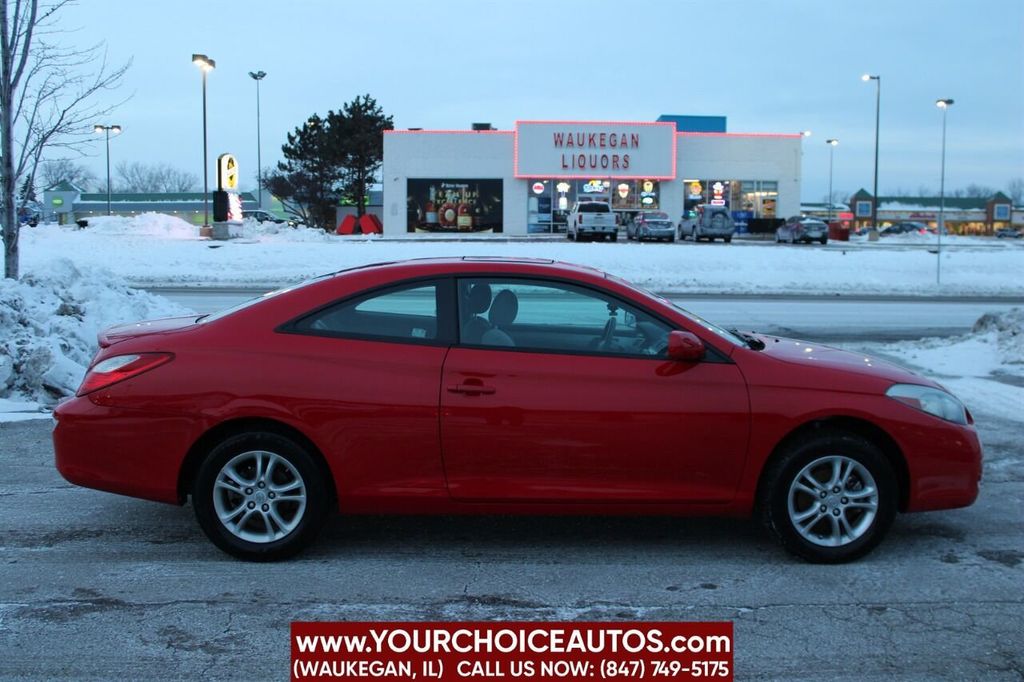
point(98, 587)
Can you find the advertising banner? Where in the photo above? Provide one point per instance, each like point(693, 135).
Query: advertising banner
point(454, 205)
point(523, 650)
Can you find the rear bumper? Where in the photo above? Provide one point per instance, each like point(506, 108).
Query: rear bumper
point(709, 232)
point(591, 229)
point(121, 450)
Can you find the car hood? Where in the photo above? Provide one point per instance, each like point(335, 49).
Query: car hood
point(813, 355)
point(120, 332)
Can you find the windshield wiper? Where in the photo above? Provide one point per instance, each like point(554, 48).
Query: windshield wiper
point(751, 341)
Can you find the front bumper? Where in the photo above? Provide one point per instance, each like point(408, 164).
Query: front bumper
point(659, 233)
point(945, 466)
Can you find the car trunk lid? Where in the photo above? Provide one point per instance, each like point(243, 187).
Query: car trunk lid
point(121, 332)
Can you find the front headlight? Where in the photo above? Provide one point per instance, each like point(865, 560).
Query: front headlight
point(930, 400)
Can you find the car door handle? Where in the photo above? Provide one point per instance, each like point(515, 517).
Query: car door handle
point(471, 389)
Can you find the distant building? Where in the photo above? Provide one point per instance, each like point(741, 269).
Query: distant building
point(526, 180)
point(962, 215)
point(66, 203)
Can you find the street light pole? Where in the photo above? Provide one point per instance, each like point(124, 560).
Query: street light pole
point(831, 148)
point(258, 76)
point(878, 108)
point(205, 64)
point(107, 129)
point(943, 104)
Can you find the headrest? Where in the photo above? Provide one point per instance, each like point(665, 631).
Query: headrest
point(479, 299)
point(504, 308)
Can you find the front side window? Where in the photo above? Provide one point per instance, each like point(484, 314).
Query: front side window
point(406, 313)
point(554, 317)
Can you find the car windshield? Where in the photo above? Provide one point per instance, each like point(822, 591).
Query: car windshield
point(655, 215)
point(725, 334)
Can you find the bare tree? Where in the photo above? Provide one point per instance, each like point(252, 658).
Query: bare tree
point(1015, 189)
point(160, 177)
point(47, 99)
point(55, 171)
point(978, 191)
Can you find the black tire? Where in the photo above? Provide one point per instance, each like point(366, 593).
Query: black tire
point(296, 459)
point(823, 240)
point(671, 239)
point(774, 497)
point(614, 238)
point(728, 240)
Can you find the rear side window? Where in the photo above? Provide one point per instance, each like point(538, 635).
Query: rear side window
point(406, 313)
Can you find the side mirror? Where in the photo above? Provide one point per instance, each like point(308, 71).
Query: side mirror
point(684, 346)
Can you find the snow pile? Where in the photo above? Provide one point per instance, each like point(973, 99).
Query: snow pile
point(268, 232)
point(984, 368)
point(49, 320)
point(143, 225)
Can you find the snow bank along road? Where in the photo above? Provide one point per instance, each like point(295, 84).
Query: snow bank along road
point(97, 586)
point(815, 318)
point(154, 250)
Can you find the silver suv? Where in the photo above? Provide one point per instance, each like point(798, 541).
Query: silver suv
point(712, 222)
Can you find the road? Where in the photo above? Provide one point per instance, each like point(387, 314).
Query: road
point(826, 319)
point(97, 586)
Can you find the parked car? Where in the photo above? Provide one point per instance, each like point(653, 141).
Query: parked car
point(651, 225)
point(1009, 233)
point(30, 213)
point(906, 227)
point(710, 222)
point(262, 216)
point(491, 386)
point(592, 219)
point(801, 229)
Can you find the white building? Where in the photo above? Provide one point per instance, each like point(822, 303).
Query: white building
point(525, 180)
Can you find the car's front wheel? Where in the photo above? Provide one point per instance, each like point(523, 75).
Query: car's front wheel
point(260, 496)
point(829, 498)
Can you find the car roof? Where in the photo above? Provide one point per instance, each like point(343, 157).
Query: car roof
point(473, 264)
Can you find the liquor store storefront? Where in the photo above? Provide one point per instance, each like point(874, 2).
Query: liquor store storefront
point(525, 181)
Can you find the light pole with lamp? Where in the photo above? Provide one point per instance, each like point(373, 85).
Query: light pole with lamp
point(878, 108)
point(831, 148)
point(258, 76)
point(205, 65)
point(116, 129)
point(943, 104)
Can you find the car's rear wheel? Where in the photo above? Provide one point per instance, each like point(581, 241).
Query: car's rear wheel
point(260, 496)
point(829, 498)
point(728, 240)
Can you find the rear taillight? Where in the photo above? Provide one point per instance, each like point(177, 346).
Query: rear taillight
point(112, 370)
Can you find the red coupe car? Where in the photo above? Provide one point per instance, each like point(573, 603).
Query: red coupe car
point(486, 385)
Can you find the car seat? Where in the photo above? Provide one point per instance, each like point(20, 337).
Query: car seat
point(478, 300)
point(502, 314)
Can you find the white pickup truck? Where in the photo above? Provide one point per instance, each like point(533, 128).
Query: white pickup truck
point(591, 219)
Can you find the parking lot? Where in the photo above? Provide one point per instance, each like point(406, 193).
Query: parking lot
point(98, 586)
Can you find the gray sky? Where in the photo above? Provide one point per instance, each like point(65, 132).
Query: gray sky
point(779, 66)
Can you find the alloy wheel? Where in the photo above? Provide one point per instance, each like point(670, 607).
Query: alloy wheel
point(833, 501)
point(259, 496)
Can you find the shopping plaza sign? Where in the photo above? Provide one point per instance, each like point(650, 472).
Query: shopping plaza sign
point(588, 149)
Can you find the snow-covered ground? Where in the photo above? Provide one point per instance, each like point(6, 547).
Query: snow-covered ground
point(157, 250)
point(49, 320)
